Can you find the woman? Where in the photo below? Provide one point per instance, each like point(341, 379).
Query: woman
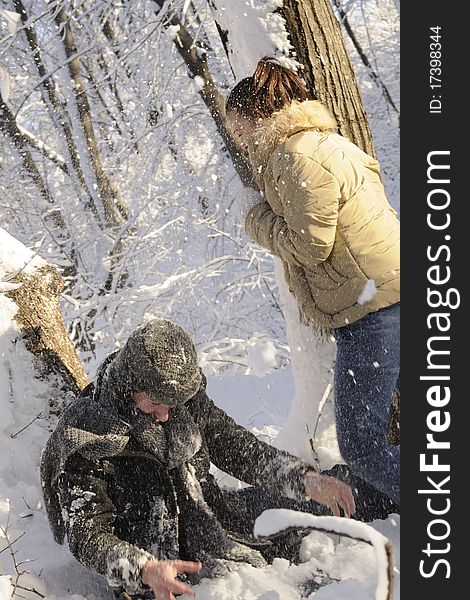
point(324, 212)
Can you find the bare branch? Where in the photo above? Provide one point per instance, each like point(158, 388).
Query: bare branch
point(115, 211)
point(4, 530)
point(39, 416)
point(44, 150)
point(196, 62)
point(10, 128)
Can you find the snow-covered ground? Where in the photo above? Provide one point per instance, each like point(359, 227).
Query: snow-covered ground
point(259, 403)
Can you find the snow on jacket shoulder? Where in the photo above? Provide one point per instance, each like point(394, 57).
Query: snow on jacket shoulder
point(326, 216)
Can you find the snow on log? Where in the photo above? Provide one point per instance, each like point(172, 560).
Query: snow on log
point(278, 520)
point(34, 287)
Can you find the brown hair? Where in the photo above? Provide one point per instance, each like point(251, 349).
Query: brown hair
point(270, 88)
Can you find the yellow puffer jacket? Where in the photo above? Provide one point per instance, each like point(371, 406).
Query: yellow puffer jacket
point(325, 215)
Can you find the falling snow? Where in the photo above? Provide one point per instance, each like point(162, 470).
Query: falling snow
point(186, 258)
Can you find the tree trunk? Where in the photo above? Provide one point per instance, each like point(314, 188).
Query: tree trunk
point(316, 36)
point(54, 106)
point(10, 128)
point(42, 326)
point(114, 210)
point(374, 75)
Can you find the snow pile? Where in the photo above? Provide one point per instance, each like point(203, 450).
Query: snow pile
point(312, 413)
point(276, 520)
point(5, 586)
point(260, 32)
point(12, 19)
point(368, 292)
point(14, 257)
point(349, 564)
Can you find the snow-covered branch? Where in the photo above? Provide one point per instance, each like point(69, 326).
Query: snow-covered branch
point(277, 521)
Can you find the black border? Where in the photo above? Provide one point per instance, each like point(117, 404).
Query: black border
point(421, 133)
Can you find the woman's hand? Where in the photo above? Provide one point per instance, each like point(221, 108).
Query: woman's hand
point(247, 199)
point(160, 575)
point(331, 492)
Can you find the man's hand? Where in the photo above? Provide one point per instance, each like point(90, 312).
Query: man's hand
point(160, 575)
point(331, 492)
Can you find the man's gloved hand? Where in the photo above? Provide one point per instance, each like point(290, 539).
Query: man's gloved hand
point(231, 558)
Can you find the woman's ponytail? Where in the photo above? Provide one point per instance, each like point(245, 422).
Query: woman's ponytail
point(270, 88)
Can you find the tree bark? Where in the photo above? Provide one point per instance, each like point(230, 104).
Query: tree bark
point(365, 61)
point(316, 35)
point(40, 320)
point(10, 128)
point(21, 142)
point(53, 104)
point(102, 196)
point(114, 208)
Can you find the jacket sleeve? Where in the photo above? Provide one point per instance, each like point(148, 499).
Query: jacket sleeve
point(310, 196)
point(89, 517)
point(238, 452)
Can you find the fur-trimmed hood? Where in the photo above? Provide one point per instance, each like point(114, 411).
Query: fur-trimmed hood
point(296, 117)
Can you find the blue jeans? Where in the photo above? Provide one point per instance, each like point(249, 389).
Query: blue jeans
point(366, 373)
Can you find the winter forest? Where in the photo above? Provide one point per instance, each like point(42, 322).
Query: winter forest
point(118, 200)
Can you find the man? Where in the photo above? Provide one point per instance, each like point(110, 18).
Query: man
point(126, 475)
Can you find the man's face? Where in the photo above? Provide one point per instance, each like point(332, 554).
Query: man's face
point(160, 412)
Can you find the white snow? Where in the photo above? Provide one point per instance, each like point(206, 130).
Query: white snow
point(276, 520)
point(5, 586)
point(4, 84)
point(312, 412)
point(368, 292)
point(199, 81)
point(173, 30)
point(262, 358)
point(12, 19)
point(178, 203)
point(259, 32)
point(320, 552)
point(15, 257)
point(186, 5)
point(8, 287)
